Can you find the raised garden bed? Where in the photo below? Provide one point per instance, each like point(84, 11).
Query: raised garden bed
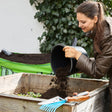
point(25, 82)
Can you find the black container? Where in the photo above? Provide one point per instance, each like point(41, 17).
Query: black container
point(58, 59)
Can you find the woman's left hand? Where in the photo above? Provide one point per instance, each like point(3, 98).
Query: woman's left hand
point(71, 52)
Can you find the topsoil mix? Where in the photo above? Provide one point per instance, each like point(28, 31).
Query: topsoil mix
point(61, 84)
point(60, 81)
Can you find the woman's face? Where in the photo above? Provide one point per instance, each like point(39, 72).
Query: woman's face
point(86, 23)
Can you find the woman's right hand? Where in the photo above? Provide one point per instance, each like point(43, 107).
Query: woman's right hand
point(71, 52)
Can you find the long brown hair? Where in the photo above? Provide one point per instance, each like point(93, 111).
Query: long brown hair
point(92, 9)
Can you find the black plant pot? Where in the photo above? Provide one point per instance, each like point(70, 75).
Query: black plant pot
point(58, 59)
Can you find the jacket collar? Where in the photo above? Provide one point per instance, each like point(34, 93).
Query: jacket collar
point(91, 34)
point(109, 21)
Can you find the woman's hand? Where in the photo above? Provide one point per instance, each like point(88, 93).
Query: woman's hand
point(71, 52)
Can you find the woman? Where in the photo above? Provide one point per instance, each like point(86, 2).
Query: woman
point(92, 21)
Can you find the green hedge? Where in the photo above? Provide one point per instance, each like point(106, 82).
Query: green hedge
point(60, 24)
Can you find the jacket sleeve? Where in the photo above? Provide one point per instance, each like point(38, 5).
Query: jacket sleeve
point(101, 65)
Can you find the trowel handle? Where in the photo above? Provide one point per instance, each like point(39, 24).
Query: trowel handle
point(78, 98)
point(83, 93)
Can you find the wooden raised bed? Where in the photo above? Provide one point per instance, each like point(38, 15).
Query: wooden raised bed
point(24, 82)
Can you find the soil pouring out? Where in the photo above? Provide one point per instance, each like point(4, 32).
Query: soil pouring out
point(61, 84)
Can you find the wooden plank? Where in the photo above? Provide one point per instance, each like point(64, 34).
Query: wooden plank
point(83, 84)
point(15, 105)
point(10, 82)
point(40, 83)
point(8, 104)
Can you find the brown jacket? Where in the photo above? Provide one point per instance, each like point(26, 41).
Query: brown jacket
point(102, 65)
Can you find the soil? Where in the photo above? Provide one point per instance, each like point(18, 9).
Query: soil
point(61, 80)
point(27, 58)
